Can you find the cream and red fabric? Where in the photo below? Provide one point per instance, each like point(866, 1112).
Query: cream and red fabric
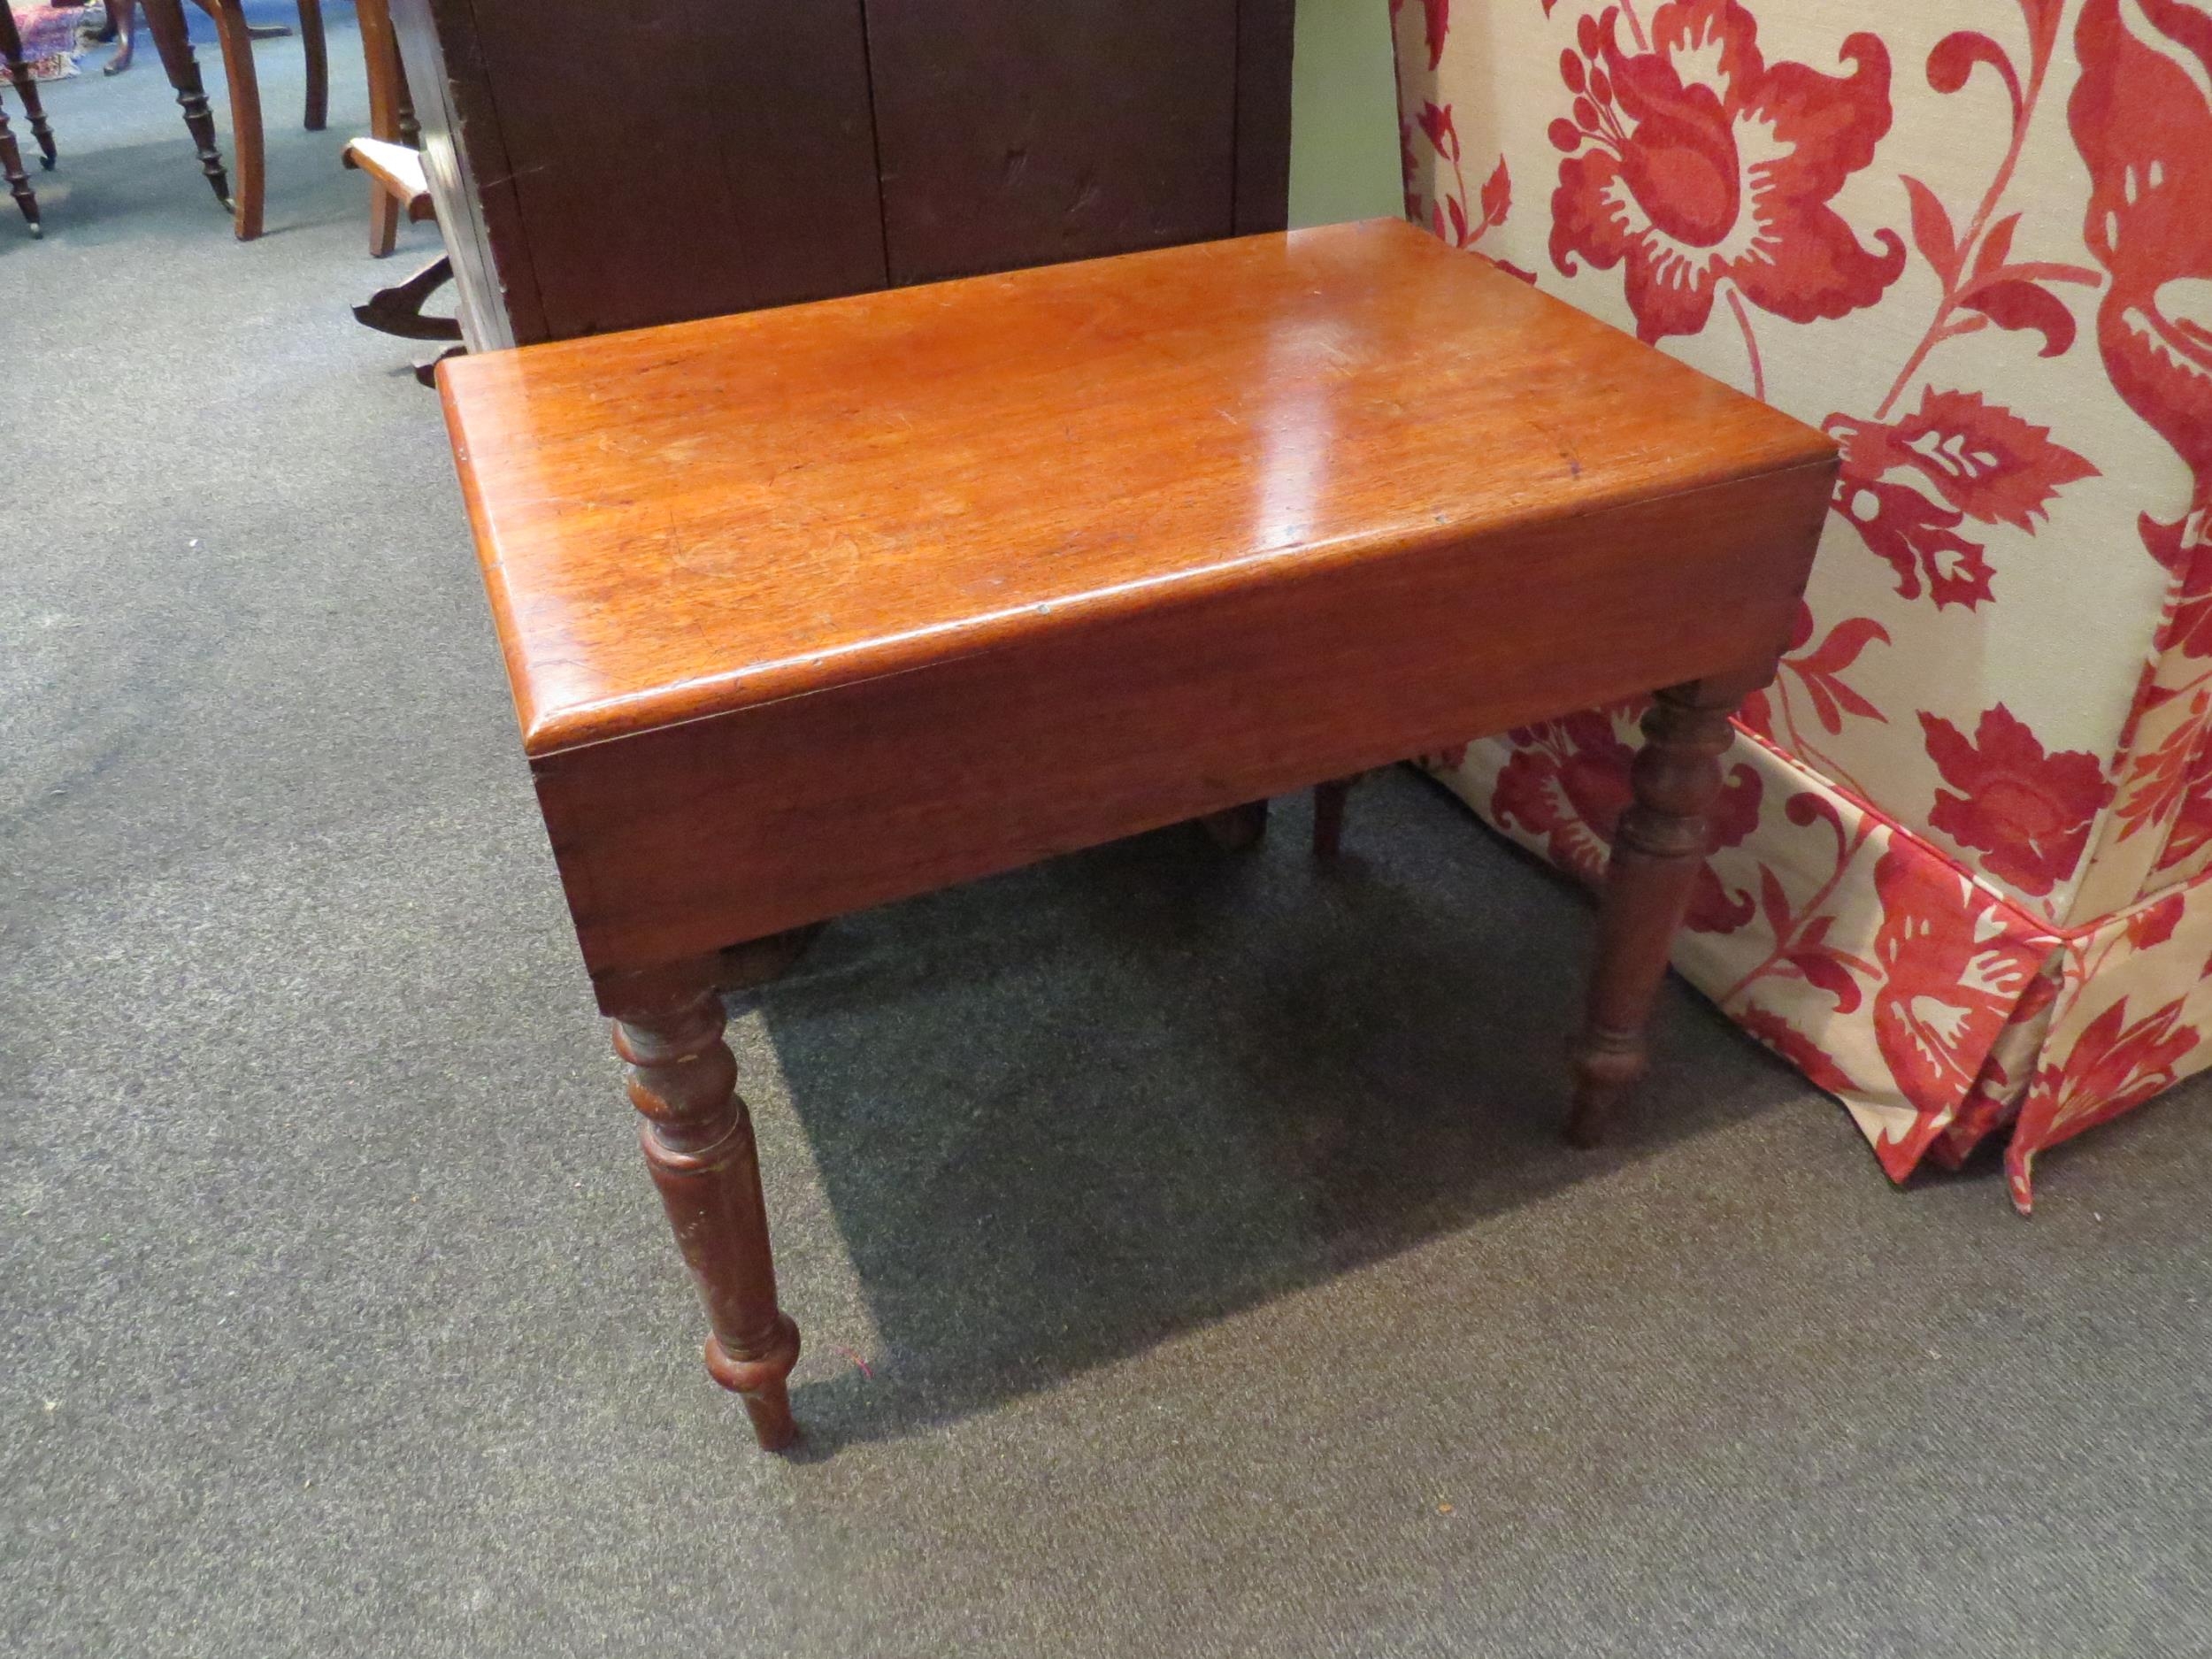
point(1965, 875)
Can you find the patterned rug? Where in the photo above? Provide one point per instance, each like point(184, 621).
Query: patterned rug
point(53, 35)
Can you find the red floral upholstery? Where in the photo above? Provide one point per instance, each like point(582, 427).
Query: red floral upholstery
point(1964, 864)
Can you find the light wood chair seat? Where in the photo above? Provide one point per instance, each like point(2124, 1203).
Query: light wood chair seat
point(398, 170)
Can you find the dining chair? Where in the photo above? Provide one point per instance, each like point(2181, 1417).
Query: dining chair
point(166, 19)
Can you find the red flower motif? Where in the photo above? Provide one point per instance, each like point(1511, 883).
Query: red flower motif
point(2141, 116)
point(1983, 462)
point(2192, 829)
point(2028, 811)
point(1706, 162)
point(2153, 924)
point(1436, 20)
point(2113, 1065)
point(1567, 782)
point(1799, 1049)
point(1951, 974)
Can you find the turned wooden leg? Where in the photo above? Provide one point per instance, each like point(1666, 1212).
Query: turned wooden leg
point(379, 52)
point(164, 20)
point(245, 112)
point(698, 1141)
point(316, 50)
point(1658, 848)
point(18, 182)
point(33, 112)
point(1328, 815)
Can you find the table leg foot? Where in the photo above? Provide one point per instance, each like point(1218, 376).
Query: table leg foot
point(698, 1145)
point(1658, 850)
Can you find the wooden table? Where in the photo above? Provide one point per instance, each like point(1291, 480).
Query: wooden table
point(814, 609)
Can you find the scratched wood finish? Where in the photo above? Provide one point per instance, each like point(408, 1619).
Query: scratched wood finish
point(1050, 557)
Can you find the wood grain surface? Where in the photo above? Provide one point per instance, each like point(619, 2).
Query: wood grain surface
point(685, 521)
point(812, 610)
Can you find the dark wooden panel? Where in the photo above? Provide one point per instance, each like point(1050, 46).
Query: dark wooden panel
point(674, 159)
point(1013, 132)
point(1265, 30)
point(471, 183)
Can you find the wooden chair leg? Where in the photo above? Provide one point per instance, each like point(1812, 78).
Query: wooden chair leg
point(245, 112)
point(18, 181)
point(33, 112)
point(383, 221)
point(379, 53)
point(1661, 842)
point(316, 49)
point(698, 1141)
point(164, 20)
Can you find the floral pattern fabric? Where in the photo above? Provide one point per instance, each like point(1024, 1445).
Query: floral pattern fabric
point(1973, 243)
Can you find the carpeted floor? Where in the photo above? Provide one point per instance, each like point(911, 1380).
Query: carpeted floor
point(1187, 1261)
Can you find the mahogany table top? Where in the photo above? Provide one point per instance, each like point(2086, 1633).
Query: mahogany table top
point(688, 520)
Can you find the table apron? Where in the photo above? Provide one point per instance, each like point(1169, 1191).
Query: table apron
point(679, 842)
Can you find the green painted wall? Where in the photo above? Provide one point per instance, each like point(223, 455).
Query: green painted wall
point(1343, 114)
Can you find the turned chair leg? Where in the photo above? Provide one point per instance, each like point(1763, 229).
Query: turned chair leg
point(379, 51)
point(316, 50)
point(33, 112)
point(245, 112)
point(18, 182)
point(1659, 846)
point(698, 1141)
point(164, 20)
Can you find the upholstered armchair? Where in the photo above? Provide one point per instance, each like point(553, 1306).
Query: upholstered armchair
point(1964, 866)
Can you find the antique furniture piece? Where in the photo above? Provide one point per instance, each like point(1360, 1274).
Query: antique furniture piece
point(1965, 878)
point(391, 159)
point(397, 185)
point(743, 153)
point(813, 609)
point(396, 188)
point(34, 112)
point(165, 19)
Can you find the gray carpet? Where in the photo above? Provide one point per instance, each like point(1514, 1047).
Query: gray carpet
point(1220, 1283)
